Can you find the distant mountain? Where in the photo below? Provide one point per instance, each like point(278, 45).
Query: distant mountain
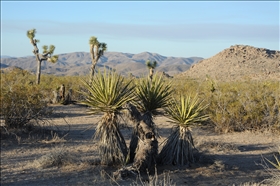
point(238, 62)
point(78, 63)
point(5, 56)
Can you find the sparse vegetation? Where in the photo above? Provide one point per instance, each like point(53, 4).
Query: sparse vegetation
point(232, 107)
point(237, 106)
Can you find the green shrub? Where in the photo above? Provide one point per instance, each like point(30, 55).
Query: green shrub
point(21, 102)
point(237, 106)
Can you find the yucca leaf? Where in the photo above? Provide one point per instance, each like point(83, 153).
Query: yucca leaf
point(45, 48)
point(187, 111)
point(93, 41)
point(107, 92)
point(52, 48)
point(53, 59)
point(276, 165)
point(31, 33)
point(152, 94)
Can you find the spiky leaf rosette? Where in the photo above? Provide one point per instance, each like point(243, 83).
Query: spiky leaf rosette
point(151, 64)
point(93, 41)
point(45, 48)
point(187, 111)
point(152, 95)
point(179, 146)
point(107, 92)
point(53, 59)
point(103, 46)
point(31, 33)
point(52, 48)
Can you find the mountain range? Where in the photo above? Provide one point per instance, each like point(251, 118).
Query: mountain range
point(238, 62)
point(78, 63)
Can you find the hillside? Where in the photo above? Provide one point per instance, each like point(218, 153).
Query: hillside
point(238, 62)
point(78, 63)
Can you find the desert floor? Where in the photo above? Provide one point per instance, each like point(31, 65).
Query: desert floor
point(226, 159)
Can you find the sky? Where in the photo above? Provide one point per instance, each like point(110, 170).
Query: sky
point(169, 28)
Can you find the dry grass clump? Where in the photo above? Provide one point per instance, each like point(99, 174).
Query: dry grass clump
point(155, 180)
point(58, 157)
point(274, 171)
point(251, 184)
point(218, 146)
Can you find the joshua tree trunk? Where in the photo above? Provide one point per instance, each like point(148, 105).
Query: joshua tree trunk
point(151, 73)
point(39, 61)
point(38, 74)
point(93, 61)
point(92, 68)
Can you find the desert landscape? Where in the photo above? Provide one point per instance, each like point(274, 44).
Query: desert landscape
point(225, 159)
point(64, 152)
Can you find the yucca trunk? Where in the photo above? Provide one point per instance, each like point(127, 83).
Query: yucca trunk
point(137, 131)
point(112, 146)
point(144, 155)
point(178, 149)
point(147, 149)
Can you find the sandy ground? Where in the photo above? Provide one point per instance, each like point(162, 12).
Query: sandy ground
point(226, 159)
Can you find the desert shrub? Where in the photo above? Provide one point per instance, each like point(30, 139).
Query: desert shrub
point(22, 103)
point(245, 106)
point(237, 106)
point(50, 83)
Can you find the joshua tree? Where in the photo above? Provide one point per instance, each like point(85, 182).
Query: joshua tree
point(178, 149)
point(151, 66)
point(96, 51)
point(47, 53)
point(150, 96)
point(107, 93)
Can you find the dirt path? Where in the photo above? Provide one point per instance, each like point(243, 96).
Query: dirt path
point(226, 159)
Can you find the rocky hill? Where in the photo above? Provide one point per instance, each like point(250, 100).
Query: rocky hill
point(238, 62)
point(78, 63)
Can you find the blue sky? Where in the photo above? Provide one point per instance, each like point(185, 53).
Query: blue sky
point(179, 29)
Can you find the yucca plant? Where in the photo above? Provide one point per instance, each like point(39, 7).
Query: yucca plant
point(151, 94)
point(107, 93)
point(178, 147)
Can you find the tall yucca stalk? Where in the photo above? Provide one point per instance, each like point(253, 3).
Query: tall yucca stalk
point(178, 148)
point(107, 93)
point(151, 94)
